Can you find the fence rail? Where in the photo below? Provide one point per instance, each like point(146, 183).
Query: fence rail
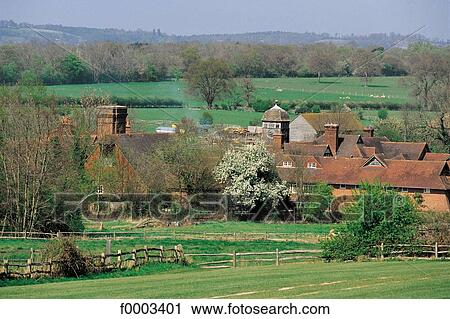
point(240, 258)
point(111, 261)
point(425, 251)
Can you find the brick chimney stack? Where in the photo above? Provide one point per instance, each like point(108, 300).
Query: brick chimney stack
point(331, 137)
point(111, 120)
point(278, 142)
point(368, 131)
point(128, 127)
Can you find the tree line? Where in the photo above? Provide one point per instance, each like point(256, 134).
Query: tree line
point(108, 62)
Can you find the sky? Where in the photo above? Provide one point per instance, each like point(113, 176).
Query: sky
point(185, 17)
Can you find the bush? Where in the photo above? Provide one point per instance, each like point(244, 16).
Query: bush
point(206, 119)
point(436, 227)
point(69, 260)
point(316, 203)
point(381, 215)
point(382, 114)
point(262, 105)
point(315, 109)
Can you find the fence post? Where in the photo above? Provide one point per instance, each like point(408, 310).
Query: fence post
point(382, 251)
point(133, 256)
point(114, 235)
point(234, 259)
point(103, 259)
point(146, 253)
point(161, 254)
point(5, 266)
point(436, 250)
point(29, 264)
point(145, 237)
point(108, 251)
point(277, 257)
point(119, 258)
point(50, 266)
point(31, 254)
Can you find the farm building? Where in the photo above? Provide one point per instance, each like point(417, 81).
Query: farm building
point(118, 149)
point(345, 160)
point(306, 127)
point(341, 159)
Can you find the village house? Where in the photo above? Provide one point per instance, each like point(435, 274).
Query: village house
point(118, 149)
point(341, 159)
point(345, 160)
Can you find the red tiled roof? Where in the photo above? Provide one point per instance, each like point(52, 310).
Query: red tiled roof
point(299, 148)
point(397, 173)
point(436, 157)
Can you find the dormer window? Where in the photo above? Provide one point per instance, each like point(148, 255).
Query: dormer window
point(375, 163)
point(312, 165)
point(287, 164)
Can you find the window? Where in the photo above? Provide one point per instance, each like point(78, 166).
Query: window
point(271, 125)
point(100, 189)
point(375, 163)
point(342, 186)
point(312, 165)
point(427, 190)
point(287, 164)
point(404, 189)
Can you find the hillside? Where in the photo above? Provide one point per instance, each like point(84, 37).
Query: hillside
point(12, 32)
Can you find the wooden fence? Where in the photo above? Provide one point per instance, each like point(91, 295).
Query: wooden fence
point(104, 262)
point(235, 236)
point(236, 259)
point(416, 251)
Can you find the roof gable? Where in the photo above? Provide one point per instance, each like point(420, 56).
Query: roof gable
point(347, 121)
point(374, 161)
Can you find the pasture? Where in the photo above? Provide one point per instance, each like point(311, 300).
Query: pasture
point(348, 89)
point(284, 89)
point(392, 279)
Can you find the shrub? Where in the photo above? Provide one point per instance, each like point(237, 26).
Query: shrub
point(315, 109)
point(262, 105)
point(316, 203)
point(69, 260)
point(436, 227)
point(206, 119)
point(382, 114)
point(381, 215)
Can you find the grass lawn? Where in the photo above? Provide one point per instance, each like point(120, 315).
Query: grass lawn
point(220, 227)
point(393, 279)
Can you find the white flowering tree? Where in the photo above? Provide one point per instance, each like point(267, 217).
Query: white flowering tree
point(250, 177)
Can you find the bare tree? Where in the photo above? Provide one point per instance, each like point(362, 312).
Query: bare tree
point(322, 60)
point(366, 64)
point(209, 79)
point(248, 90)
point(428, 68)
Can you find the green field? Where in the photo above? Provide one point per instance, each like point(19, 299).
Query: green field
point(220, 227)
point(149, 119)
point(347, 89)
point(20, 248)
point(394, 279)
point(285, 89)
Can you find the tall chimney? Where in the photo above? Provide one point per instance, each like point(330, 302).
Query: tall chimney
point(128, 127)
point(331, 137)
point(277, 142)
point(111, 120)
point(368, 131)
